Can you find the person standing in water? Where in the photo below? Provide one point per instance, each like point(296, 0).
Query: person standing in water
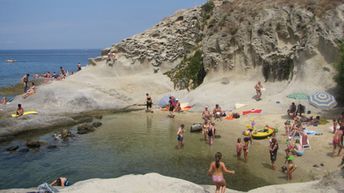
point(78, 66)
point(258, 88)
point(25, 81)
point(63, 72)
point(149, 102)
point(211, 133)
point(216, 170)
point(245, 148)
point(180, 136)
point(171, 103)
point(239, 148)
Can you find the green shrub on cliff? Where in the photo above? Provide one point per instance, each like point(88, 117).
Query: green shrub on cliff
point(340, 67)
point(190, 73)
point(207, 10)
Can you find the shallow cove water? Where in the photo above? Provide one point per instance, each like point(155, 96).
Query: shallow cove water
point(126, 143)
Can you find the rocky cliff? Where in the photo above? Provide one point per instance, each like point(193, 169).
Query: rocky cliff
point(272, 39)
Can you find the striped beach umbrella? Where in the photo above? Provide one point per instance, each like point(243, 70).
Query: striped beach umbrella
point(322, 100)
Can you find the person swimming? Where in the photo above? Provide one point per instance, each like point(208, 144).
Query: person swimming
point(216, 170)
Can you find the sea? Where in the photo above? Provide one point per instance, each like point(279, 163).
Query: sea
point(40, 61)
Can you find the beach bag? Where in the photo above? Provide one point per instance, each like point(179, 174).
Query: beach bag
point(236, 115)
point(46, 188)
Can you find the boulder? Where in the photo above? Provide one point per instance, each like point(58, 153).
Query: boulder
point(97, 124)
point(12, 148)
point(33, 144)
point(85, 128)
point(196, 127)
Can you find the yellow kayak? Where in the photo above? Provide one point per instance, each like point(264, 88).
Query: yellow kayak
point(262, 133)
point(26, 113)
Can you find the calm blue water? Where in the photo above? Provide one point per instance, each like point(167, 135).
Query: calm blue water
point(40, 61)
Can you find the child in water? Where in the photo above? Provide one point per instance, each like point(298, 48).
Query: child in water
point(239, 147)
point(245, 148)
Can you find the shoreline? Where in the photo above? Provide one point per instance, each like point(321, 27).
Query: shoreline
point(153, 181)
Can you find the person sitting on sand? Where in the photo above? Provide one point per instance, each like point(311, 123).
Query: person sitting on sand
point(60, 181)
point(300, 109)
point(273, 152)
point(206, 115)
point(292, 110)
point(258, 88)
point(217, 112)
point(180, 136)
point(298, 149)
point(31, 91)
point(3, 101)
point(239, 147)
point(216, 170)
point(149, 102)
point(20, 110)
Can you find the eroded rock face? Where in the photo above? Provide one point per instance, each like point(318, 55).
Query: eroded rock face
point(274, 38)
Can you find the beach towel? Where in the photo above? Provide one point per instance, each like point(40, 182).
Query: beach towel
point(229, 117)
point(311, 132)
point(239, 105)
point(252, 111)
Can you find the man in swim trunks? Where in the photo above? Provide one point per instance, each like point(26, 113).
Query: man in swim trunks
point(79, 66)
point(273, 152)
point(20, 110)
point(149, 102)
point(25, 81)
point(258, 88)
point(217, 112)
point(206, 115)
point(216, 170)
point(171, 103)
point(180, 136)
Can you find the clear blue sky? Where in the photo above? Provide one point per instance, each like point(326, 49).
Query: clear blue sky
point(50, 24)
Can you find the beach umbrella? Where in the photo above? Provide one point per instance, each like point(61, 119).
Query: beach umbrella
point(164, 101)
point(298, 96)
point(322, 100)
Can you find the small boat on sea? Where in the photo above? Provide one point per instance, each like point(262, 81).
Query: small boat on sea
point(10, 61)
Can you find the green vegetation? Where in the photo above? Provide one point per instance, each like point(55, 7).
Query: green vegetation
point(340, 66)
point(189, 73)
point(207, 10)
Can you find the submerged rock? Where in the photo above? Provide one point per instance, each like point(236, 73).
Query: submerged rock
point(12, 148)
point(52, 146)
point(85, 128)
point(33, 144)
point(97, 124)
point(24, 150)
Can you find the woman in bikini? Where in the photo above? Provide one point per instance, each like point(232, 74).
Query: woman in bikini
point(216, 170)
